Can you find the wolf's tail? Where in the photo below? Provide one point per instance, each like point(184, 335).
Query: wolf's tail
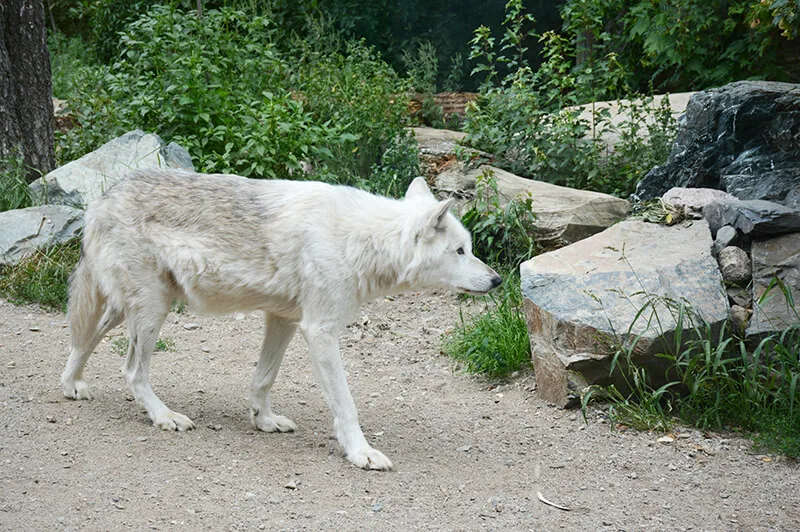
point(85, 305)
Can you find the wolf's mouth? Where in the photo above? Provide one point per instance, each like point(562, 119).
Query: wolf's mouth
point(472, 292)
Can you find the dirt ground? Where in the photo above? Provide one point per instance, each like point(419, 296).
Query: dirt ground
point(468, 455)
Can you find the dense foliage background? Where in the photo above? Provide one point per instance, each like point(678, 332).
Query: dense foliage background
point(269, 88)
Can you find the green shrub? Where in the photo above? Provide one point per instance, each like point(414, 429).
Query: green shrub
point(528, 119)
point(354, 89)
point(494, 343)
point(43, 277)
point(223, 88)
point(504, 235)
point(399, 166)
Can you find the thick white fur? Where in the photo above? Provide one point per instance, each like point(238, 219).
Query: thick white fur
point(308, 254)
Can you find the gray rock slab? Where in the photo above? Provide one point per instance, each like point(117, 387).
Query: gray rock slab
point(564, 215)
point(22, 231)
point(582, 301)
point(775, 258)
point(756, 218)
point(80, 181)
point(434, 141)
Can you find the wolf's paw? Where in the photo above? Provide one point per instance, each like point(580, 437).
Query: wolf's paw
point(76, 390)
point(369, 458)
point(170, 420)
point(272, 423)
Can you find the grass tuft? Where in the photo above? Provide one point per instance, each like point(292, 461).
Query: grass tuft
point(43, 277)
point(494, 343)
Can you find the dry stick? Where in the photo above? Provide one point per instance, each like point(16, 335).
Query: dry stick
point(549, 503)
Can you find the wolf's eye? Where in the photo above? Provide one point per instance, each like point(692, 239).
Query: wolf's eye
point(460, 251)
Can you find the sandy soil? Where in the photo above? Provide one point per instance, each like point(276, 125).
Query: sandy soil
point(468, 455)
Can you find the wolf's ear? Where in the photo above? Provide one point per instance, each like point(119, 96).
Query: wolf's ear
point(438, 212)
point(419, 189)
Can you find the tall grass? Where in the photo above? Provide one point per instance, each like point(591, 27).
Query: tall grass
point(43, 277)
point(494, 343)
point(14, 193)
point(717, 381)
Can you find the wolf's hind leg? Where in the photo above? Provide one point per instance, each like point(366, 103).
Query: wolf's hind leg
point(278, 333)
point(88, 324)
point(144, 325)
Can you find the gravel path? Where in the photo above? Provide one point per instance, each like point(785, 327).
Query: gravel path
point(468, 455)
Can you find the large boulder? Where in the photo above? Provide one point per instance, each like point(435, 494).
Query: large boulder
point(776, 258)
point(23, 231)
point(741, 138)
point(563, 215)
point(585, 300)
point(80, 181)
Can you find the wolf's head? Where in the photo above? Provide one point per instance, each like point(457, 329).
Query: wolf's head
point(442, 248)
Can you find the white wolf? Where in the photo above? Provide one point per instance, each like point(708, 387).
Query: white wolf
point(308, 254)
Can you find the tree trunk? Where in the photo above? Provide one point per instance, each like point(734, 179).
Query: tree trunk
point(26, 105)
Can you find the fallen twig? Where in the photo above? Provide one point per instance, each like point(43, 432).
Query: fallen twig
point(550, 503)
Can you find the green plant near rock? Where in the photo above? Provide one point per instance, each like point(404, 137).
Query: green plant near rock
point(501, 234)
point(715, 381)
point(494, 343)
point(43, 277)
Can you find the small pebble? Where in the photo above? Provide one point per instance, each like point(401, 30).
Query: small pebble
point(191, 326)
point(291, 485)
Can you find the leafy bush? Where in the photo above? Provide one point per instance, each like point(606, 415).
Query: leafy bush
point(529, 121)
point(504, 235)
point(494, 343)
point(352, 88)
point(221, 87)
point(683, 44)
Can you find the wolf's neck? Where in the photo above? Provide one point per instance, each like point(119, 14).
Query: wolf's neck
point(379, 248)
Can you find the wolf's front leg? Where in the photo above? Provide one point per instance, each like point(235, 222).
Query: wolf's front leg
point(327, 364)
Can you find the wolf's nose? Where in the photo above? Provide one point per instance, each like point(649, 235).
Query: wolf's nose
point(496, 281)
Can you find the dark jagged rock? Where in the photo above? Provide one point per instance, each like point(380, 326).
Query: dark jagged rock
point(755, 218)
point(743, 138)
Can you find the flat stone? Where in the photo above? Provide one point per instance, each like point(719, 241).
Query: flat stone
point(80, 181)
point(756, 218)
point(23, 231)
point(581, 301)
point(563, 215)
